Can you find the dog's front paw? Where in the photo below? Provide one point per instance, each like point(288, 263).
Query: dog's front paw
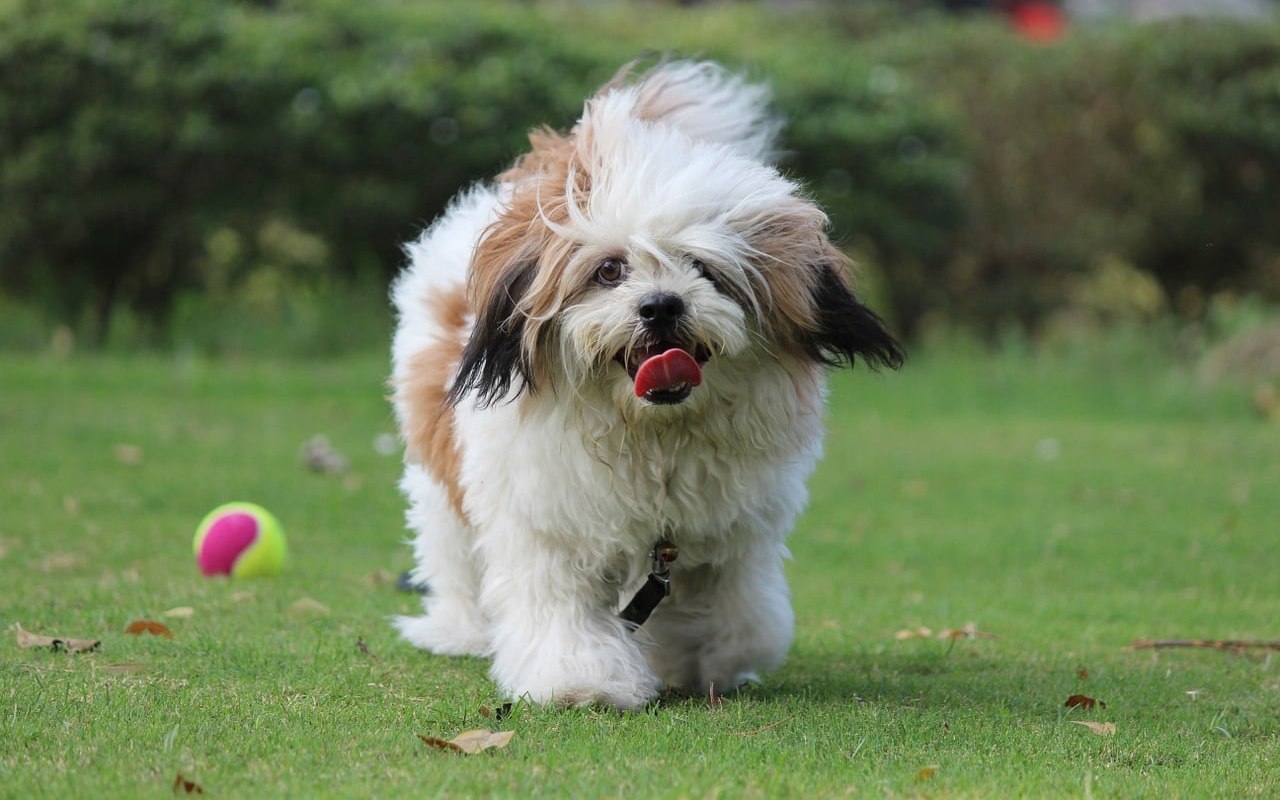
point(573, 693)
point(576, 682)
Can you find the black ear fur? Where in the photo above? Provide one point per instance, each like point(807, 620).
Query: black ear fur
point(846, 329)
point(494, 357)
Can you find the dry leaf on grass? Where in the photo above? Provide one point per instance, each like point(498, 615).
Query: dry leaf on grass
point(1100, 728)
point(181, 612)
point(1082, 674)
point(497, 714)
point(471, 742)
point(969, 631)
point(919, 633)
point(27, 639)
point(141, 626)
point(240, 597)
point(1229, 645)
point(926, 773)
point(183, 786)
point(1083, 701)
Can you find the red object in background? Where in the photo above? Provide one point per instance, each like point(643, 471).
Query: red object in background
point(1039, 22)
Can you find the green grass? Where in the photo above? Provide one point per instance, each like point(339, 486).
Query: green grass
point(1067, 505)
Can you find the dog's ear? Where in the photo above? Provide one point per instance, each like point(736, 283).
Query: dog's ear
point(812, 307)
point(494, 358)
point(515, 281)
point(844, 330)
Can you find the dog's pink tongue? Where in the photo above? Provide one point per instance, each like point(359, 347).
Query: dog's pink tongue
point(668, 369)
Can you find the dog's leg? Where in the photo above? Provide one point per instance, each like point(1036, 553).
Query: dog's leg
point(556, 636)
point(445, 563)
point(724, 625)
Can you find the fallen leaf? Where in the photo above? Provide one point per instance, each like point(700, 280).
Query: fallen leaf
point(475, 741)
point(128, 454)
point(1082, 674)
point(919, 633)
point(969, 631)
point(27, 639)
point(141, 626)
point(471, 742)
point(181, 612)
point(926, 773)
point(1100, 728)
point(240, 597)
point(497, 714)
point(307, 607)
point(440, 744)
point(182, 785)
point(1083, 701)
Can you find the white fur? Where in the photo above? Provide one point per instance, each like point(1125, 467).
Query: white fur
point(567, 488)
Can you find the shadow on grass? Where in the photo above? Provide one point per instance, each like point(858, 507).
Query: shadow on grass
point(955, 677)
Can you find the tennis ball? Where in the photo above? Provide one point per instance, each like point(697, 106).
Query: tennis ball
point(240, 539)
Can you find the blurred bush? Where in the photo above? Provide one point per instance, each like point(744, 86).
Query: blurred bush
point(1149, 150)
point(186, 170)
point(239, 151)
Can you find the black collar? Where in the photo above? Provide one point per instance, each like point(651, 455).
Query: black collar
point(656, 586)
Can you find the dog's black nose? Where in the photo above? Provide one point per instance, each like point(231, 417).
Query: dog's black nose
point(661, 309)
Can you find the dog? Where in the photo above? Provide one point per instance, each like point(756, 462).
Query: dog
point(612, 356)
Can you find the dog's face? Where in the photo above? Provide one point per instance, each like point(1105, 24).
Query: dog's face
point(629, 255)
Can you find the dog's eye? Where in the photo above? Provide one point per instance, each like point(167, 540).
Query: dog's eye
point(610, 272)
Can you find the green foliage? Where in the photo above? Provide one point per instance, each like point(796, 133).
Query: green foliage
point(153, 149)
point(1151, 146)
point(155, 156)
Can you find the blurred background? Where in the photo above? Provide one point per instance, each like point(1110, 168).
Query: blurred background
point(236, 178)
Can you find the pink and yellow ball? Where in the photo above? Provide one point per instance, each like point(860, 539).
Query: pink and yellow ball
point(240, 539)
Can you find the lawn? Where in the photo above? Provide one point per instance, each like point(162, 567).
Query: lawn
point(1064, 506)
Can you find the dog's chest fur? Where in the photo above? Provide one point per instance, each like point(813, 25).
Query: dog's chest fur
point(714, 477)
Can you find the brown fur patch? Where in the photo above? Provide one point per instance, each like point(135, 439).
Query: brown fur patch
point(795, 246)
point(523, 239)
point(812, 310)
point(429, 431)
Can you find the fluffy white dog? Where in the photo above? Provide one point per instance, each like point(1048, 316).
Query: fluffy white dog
point(621, 343)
